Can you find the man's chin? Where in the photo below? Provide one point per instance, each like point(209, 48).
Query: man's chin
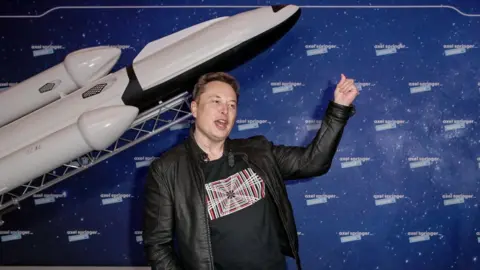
point(221, 134)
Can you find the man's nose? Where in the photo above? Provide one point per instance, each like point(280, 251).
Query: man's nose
point(223, 108)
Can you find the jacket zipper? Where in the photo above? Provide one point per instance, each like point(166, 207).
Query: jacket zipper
point(202, 177)
point(290, 240)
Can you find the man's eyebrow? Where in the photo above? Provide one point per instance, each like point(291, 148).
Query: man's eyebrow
point(217, 96)
point(212, 96)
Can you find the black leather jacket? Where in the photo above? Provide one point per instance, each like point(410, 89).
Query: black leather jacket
point(174, 197)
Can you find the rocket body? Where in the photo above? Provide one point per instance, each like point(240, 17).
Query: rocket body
point(96, 115)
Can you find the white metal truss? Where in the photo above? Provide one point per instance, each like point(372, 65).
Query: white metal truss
point(146, 125)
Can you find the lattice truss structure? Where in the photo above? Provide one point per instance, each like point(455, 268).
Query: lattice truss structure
point(146, 125)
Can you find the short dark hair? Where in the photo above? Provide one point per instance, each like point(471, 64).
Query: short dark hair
point(199, 87)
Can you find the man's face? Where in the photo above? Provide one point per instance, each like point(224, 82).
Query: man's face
point(216, 110)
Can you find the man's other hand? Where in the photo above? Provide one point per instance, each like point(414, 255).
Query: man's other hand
point(345, 92)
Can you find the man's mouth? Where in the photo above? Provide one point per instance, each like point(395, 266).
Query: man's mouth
point(221, 124)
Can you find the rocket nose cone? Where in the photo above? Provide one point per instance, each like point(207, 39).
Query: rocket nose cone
point(90, 64)
point(276, 8)
point(287, 10)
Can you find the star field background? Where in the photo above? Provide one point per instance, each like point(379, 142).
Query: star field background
point(291, 118)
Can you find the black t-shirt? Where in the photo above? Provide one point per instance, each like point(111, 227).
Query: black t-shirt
point(243, 220)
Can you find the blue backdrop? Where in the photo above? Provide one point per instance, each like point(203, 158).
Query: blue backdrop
point(404, 186)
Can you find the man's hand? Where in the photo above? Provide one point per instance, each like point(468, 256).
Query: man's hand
point(345, 92)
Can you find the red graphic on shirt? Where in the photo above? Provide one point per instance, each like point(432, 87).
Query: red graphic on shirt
point(232, 194)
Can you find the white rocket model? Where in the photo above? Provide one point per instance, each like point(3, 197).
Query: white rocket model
point(95, 116)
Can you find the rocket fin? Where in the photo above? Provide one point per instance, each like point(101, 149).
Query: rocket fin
point(166, 41)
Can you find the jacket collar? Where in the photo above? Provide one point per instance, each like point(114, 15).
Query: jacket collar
point(198, 153)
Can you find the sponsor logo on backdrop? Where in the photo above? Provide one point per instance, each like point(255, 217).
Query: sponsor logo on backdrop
point(348, 162)
point(478, 237)
point(361, 85)
point(79, 235)
point(5, 85)
point(478, 160)
point(450, 199)
point(280, 87)
point(112, 198)
point(313, 199)
point(246, 124)
point(383, 199)
point(122, 47)
point(143, 161)
point(44, 198)
point(454, 124)
point(415, 237)
point(420, 87)
point(138, 236)
point(386, 49)
point(317, 49)
point(12, 235)
point(313, 124)
point(454, 49)
point(417, 162)
point(347, 236)
point(40, 50)
point(385, 124)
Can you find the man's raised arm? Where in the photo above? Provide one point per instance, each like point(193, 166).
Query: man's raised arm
point(316, 158)
point(158, 223)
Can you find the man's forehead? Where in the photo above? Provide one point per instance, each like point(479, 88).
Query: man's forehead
point(220, 91)
point(218, 85)
point(222, 96)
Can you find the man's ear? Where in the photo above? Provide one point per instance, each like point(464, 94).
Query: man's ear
point(193, 108)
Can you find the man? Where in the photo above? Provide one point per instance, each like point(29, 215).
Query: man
point(223, 201)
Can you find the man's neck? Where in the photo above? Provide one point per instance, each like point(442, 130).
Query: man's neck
point(213, 149)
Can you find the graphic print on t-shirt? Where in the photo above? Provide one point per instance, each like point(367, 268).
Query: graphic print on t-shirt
point(237, 192)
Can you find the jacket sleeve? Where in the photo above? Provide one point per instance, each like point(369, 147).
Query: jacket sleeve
point(295, 162)
point(158, 222)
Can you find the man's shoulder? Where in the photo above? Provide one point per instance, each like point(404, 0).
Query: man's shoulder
point(253, 142)
point(169, 157)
